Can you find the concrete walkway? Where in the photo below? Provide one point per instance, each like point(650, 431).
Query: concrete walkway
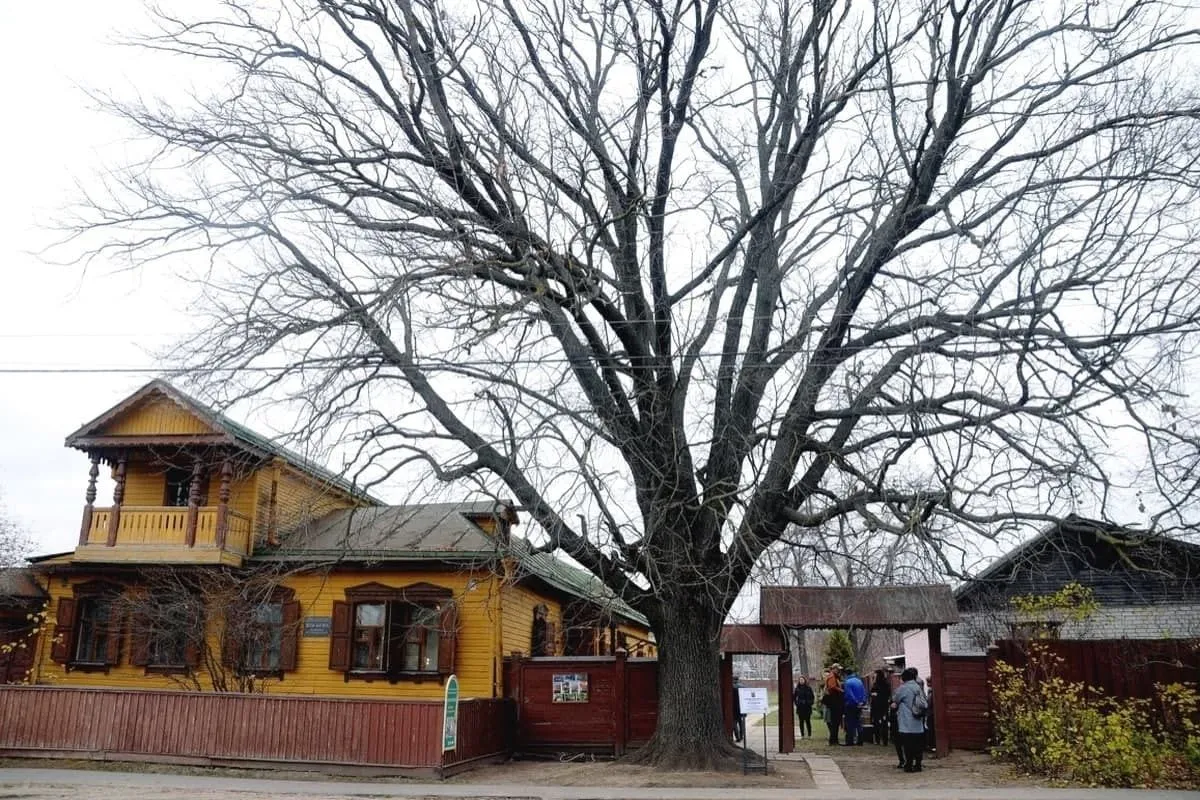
point(108, 785)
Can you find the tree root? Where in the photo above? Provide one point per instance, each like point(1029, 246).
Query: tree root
point(689, 756)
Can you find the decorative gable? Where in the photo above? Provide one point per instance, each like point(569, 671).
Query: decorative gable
point(155, 415)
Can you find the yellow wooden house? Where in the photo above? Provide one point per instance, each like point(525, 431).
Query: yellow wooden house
point(226, 562)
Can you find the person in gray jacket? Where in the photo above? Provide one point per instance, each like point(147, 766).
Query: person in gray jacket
point(911, 706)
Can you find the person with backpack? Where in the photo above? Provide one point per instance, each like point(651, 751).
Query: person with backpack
point(911, 706)
point(832, 700)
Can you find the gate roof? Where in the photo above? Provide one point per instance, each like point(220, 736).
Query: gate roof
point(890, 607)
point(752, 639)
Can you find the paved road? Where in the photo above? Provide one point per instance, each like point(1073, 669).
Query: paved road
point(43, 784)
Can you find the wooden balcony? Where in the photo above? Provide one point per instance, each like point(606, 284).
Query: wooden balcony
point(153, 534)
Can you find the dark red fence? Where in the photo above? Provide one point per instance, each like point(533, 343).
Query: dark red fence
point(966, 685)
point(620, 711)
point(216, 728)
point(1122, 668)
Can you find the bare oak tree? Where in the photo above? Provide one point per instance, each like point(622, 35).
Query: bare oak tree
point(695, 272)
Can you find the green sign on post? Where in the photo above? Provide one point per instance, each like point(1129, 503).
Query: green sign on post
point(450, 715)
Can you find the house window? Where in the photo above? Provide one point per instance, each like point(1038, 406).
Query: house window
point(264, 639)
point(394, 632)
point(261, 634)
point(87, 628)
point(168, 630)
point(370, 626)
point(91, 642)
point(168, 649)
point(395, 637)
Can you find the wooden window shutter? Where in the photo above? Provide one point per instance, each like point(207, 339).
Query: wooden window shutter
point(64, 631)
point(139, 642)
point(551, 639)
point(112, 638)
point(192, 645)
point(231, 641)
point(447, 637)
point(339, 636)
point(291, 636)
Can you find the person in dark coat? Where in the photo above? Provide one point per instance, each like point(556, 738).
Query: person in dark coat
point(804, 699)
point(739, 719)
point(881, 698)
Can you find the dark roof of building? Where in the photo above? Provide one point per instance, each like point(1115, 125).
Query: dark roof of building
point(895, 607)
point(1119, 564)
point(430, 531)
point(235, 431)
point(18, 583)
point(441, 532)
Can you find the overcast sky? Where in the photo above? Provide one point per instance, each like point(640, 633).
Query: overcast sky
point(55, 317)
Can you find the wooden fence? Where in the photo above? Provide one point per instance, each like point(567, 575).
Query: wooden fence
point(218, 728)
point(968, 725)
point(619, 711)
point(1123, 668)
point(1120, 668)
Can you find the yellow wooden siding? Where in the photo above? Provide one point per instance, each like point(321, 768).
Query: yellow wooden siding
point(518, 603)
point(145, 485)
point(638, 634)
point(301, 499)
point(155, 416)
point(476, 660)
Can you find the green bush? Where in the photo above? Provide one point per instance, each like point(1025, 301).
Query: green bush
point(1062, 730)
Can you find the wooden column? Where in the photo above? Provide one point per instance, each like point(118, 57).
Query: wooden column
point(223, 505)
point(787, 711)
point(620, 705)
point(90, 500)
point(727, 692)
point(194, 501)
point(937, 682)
point(114, 519)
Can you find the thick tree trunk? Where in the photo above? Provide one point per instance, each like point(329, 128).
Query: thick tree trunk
point(690, 732)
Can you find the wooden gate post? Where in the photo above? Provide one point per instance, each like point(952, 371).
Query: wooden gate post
point(937, 682)
point(620, 704)
point(786, 713)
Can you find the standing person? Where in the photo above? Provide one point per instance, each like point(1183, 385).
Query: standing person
point(855, 696)
point(833, 701)
point(804, 699)
point(897, 739)
point(881, 699)
point(910, 704)
point(739, 719)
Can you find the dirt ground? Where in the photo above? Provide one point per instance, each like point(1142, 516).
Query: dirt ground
point(783, 774)
point(874, 767)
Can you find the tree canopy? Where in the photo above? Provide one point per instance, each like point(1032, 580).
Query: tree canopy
point(688, 278)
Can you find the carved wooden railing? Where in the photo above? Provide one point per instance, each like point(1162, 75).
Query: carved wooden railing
point(167, 526)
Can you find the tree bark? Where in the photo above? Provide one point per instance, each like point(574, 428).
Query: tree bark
point(690, 732)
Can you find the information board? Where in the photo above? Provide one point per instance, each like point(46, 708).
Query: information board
point(753, 701)
point(450, 715)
